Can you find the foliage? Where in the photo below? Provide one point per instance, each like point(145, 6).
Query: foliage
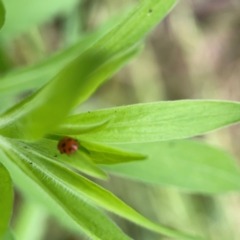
point(138, 141)
point(6, 199)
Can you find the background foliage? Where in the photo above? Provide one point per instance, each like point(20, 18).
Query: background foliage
point(192, 54)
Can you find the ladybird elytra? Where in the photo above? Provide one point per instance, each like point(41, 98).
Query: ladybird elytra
point(68, 145)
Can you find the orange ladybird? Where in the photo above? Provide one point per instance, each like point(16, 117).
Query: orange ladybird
point(68, 145)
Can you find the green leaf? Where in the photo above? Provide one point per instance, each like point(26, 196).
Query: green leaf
point(6, 102)
point(134, 27)
point(121, 38)
point(189, 165)
point(104, 154)
point(108, 68)
point(82, 187)
point(124, 36)
point(85, 158)
point(2, 14)
point(44, 110)
point(92, 221)
point(37, 75)
point(6, 199)
point(85, 164)
point(25, 14)
point(27, 122)
point(79, 128)
point(47, 148)
point(35, 194)
point(158, 121)
point(54, 101)
point(8, 236)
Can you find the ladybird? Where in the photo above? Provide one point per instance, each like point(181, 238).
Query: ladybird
point(68, 145)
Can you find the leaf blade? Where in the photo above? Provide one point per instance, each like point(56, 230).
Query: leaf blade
point(37, 75)
point(100, 196)
point(65, 90)
point(19, 20)
point(2, 14)
point(159, 121)
point(105, 154)
point(47, 149)
point(128, 32)
point(122, 37)
point(26, 119)
point(79, 129)
point(189, 165)
point(111, 65)
point(91, 220)
point(6, 199)
point(8, 235)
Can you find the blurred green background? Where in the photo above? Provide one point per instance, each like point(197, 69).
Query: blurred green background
point(193, 54)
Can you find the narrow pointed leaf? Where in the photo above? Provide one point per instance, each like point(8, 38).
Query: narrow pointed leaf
point(189, 165)
point(6, 199)
point(134, 27)
point(98, 195)
point(47, 148)
point(37, 75)
point(159, 120)
point(104, 154)
point(87, 166)
point(27, 123)
point(91, 220)
point(37, 195)
point(121, 38)
point(2, 14)
point(111, 65)
point(44, 110)
point(125, 35)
